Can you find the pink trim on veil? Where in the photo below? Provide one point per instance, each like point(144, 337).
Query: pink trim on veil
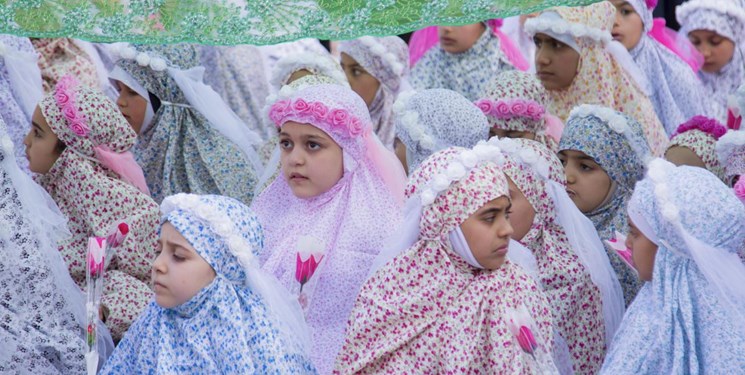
point(677, 44)
point(123, 164)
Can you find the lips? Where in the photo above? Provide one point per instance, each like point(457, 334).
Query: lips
point(542, 75)
point(447, 41)
point(571, 193)
point(502, 251)
point(157, 285)
point(616, 36)
point(297, 177)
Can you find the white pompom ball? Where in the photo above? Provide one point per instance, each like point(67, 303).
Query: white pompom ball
point(143, 59)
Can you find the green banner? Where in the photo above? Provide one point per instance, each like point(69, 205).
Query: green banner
point(230, 22)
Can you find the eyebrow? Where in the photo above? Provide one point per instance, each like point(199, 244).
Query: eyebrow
point(34, 124)
point(496, 210)
point(312, 137)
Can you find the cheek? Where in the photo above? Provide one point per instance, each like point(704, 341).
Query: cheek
point(327, 168)
point(724, 52)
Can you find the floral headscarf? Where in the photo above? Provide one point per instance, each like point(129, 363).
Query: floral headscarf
point(428, 310)
point(601, 77)
point(94, 199)
point(517, 101)
point(731, 154)
point(228, 326)
point(700, 135)
point(386, 59)
point(688, 319)
point(348, 223)
point(59, 57)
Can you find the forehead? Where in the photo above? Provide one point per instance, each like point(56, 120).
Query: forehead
point(574, 154)
point(297, 130)
point(348, 60)
point(702, 33)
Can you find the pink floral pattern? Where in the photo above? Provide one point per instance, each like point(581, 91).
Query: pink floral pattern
point(59, 57)
point(700, 135)
point(511, 108)
point(64, 94)
point(93, 199)
point(337, 120)
point(428, 311)
point(575, 301)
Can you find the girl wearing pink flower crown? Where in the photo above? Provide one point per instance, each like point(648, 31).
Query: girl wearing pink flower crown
point(78, 147)
point(694, 144)
point(329, 211)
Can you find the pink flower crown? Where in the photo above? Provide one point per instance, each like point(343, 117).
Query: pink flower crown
point(704, 124)
point(338, 121)
point(64, 95)
point(511, 108)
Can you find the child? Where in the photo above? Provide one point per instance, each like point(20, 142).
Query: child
point(686, 227)
point(578, 63)
point(515, 104)
point(431, 120)
point(676, 92)
point(42, 310)
point(603, 153)
point(215, 311)
point(376, 68)
point(585, 296)
point(717, 29)
point(731, 154)
point(694, 144)
point(444, 304)
point(78, 147)
point(337, 198)
point(189, 139)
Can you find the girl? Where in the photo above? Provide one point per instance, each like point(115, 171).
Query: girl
point(578, 63)
point(676, 92)
point(586, 298)
point(376, 69)
point(515, 104)
point(603, 153)
point(731, 154)
point(42, 310)
point(337, 198)
point(189, 139)
point(686, 227)
point(431, 120)
point(445, 304)
point(716, 28)
point(78, 147)
point(466, 58)
point(694, 144)
point(215, 311)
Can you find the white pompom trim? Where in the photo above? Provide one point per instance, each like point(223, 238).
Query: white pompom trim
point(725, 7)
point(560, 26)
point(524, 156)
point(729, 143)
point(314, 62)
point(613, 120)
point(408, 121)
point(381, 51)
point(127, 52)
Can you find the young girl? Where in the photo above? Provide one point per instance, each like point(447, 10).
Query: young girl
point(717, 29)
point(78, 147)
point(336, 200)
point(515, 104)
point(603, 153)
point(731, 154)
point(376, 69)
point(578, 63)
point(694, 144)
point(585, 296)
point(189, 139)
point(431, 120)
point(676, 92)
point(215, 310)
point(42, 310)
point(466, 58)
point(686, 227)
point(445, 304)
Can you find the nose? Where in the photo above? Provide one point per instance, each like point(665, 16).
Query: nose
point(571, 178)
point(704, 49)
point(121, 102)
point(628, 243)
point(542, 57)
point(159, 265)
point(27, 139)
point(505, 230)
point(296, 157)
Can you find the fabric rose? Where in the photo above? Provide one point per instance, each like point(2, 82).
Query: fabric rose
point(518, 108)
point(71, 114)
point(319, 110)
point(485, 106)
point(300, 106)
point(502, 109)
point(355, 127)
point(278, 112)
point(79, 129)
point(534, 110)
point(62, 97)
point(339, 118)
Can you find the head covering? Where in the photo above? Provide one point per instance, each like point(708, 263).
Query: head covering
point(20, 90)
point(42, 310)
point(314, 62)
point(726, 18)
point(731, 154)
point(676, 92)
point(689, 318)
point(616, 142)
point(587, 301)
point(93, 196)
point(429, 310)
point(700, 135)
point(386, 60)
point(606, 74)
point(195, 142)
point(466, 73)
point(430, 120)
point(517, 101)
point(59, 57)
point(242, 322)
point(347, 223)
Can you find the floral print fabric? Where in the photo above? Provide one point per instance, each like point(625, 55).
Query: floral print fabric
point(17, 122)
point(59, 57)
point(704, 146)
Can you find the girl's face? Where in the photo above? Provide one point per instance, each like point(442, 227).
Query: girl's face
point(488, 232)
point(459, 39)
point(501, 133)
point(587, 182)
point(179, 272)
point(716, 49)
point(362, 82)
point(311, 161)
point(628, 27)
point(680, 155)
point(41, 143)
point(556, 63)
point(132, 106)
point(524, 213)
point(643, 252)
